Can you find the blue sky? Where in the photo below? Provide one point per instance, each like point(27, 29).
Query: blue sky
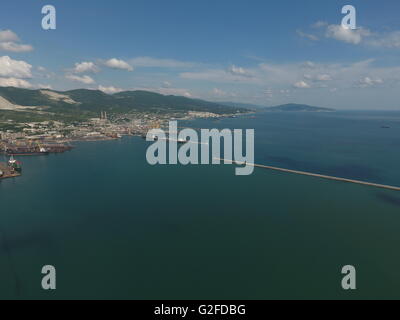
point(264, 52)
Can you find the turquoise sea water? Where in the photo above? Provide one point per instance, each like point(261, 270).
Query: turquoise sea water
point(116, 227)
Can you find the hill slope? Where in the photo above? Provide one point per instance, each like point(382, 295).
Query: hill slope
point(86, 103)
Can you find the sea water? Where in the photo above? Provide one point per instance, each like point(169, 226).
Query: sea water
point(115, 227)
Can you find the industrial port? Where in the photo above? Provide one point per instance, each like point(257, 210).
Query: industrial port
point(33, 148)
point(13, 168)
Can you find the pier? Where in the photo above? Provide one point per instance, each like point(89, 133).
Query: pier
point(34, 149)
point(7, 171)
point(316, 175)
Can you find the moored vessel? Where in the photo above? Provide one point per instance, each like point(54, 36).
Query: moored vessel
point(14, 164)
point(26, 151)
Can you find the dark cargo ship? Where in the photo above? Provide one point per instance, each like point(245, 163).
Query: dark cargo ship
point(14, 165)
point(26, 151)
point(12, 150)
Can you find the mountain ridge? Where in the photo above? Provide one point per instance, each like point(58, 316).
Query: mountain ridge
point(294, 107)
point(93, 101)
point(283, 107)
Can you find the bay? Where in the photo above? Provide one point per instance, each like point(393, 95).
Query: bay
point(115, 227)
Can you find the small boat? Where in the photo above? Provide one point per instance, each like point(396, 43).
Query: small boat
point(14, 164)
point(180, 140)
point(152, 138)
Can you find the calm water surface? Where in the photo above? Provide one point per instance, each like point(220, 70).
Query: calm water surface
point(116, 227)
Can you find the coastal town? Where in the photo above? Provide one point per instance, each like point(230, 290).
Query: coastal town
point(43, 138)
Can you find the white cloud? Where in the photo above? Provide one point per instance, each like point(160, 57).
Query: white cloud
point(118, 64)
point(308, 65)
point(320, 24)
point(14, 82)
point(219, 92)
point(216, 92)
point(15, 47)
point(369, 82)
point(110, 89)
point(323, 77)
point(302, 75)
point(232, 75)
point(8, 35)
point(169, 91)
point(388, 40)
point(167, 84)
point(340, 33)
point(85, 67)
point(364, 36)
point(83, 79)
point(207, 75)
point(359, 36)
point(9, 42)
point(175, 91)
point(238, 71)
point(268, 93)
point(356, 37)
point(301, 85)
point(14, 68)
point(160, 63)
point(307, 35)
point(44, 86)
point(318, 77)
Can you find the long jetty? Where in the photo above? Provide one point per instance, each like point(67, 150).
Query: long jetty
point(316, 175)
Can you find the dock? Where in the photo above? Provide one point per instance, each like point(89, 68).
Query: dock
point(316, 175)
point(7, 172)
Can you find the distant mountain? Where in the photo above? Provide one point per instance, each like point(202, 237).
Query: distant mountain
point(285, 107)
point(242, 105)
point(88, 103)
point(292, 107)
point(146, 99)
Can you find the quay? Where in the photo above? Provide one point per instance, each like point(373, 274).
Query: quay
point(376, 185)
point(33, 149)
point(7, 171)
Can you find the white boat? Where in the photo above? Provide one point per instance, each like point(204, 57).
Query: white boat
point(12, 161)
point(180, 140)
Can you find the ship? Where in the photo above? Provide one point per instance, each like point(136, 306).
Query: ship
point(57, 148)
point(182, 141)
point(26, 151)
point(152, 138)
point(14, 164)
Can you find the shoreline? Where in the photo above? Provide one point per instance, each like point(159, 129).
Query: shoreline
point(138, 132)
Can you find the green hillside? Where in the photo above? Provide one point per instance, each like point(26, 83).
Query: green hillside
point(88, 103)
